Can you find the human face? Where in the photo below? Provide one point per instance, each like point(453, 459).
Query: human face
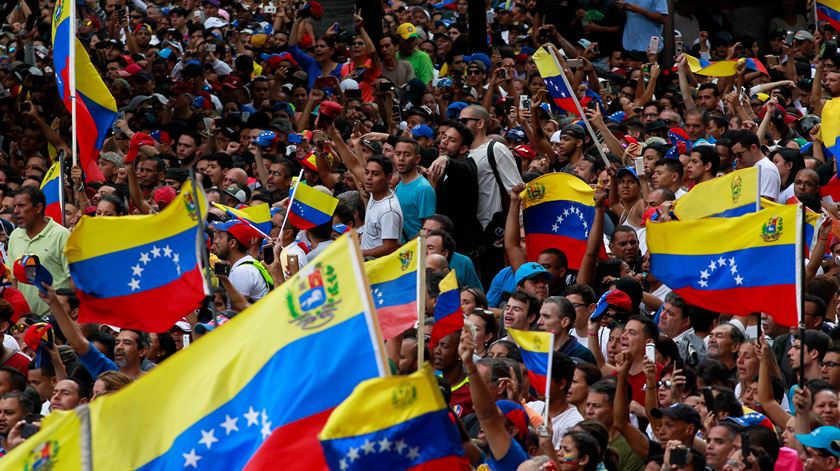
point(614, 344)
point(323, 51)
point(41, 383)
point(405, 159)
point(376, 181)
point(749, 396)
point(783, 165)
point(11, 412)
point(26, 213)
point(147, 174)
point(650, 114)
point(673, 429)
point(186, 147)
point(516, 315)
point(279, 180)
point(215, 173)
point(498, 351)
point(536, 286)
point(663, 177)
point(550, 320)
point(65, 396)
point(434, 245)
point(568, 450)
point(707, 99)
point(599, 408)
point(388, 48)
point(467, 302)
point(585, 170)
point(482, 337)
point(694, 127)
point(569, 145)
point(719, 447)
point(743, 156)
point(451, 143)
point(806, 182)
point(127, 353)
point(634, 339)
point(579, 390)
point(105, 208)
point(650, 156)
point(830, 368)
point(408, 356)
point(695, 168)
point(747, 363)
point(825, 406)
point(720, 342)
point(672, 321)
point(628, 187)
point(446, 353)
point(471, 121)
point(817, 460)
point(625, 245)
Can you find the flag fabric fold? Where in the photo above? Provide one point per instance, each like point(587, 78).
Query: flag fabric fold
point(123, 265)
point(310, 207)
point(731, 195)
point(397, 423)
point(536, 348)
point(554, 83)
point(52, 187)
point(258, 216)
point(395, 280)
point(558, 213)
point(724, 68)
point(57, 446)
point(751, 267)
point(269, 379)
point(829, 11)
point(96, 108)
point(449, 317)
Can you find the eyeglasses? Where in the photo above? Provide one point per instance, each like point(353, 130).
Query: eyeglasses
point(804, 183)
point(475, 72)
point(466, 120)
point(829, 364)
point(359, 44)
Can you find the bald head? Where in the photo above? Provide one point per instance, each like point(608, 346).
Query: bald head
point(236, 175)
point(437, 263)
point(807, 181)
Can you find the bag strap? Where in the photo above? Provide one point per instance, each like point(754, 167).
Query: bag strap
point(269, 282)
point(491, 157)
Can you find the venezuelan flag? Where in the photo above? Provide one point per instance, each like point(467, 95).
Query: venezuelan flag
point(398, 423)
point(554, 83)
point(829, 11)
point(395, 283)
point(537, 349)
point(558, 213)
point(56, 446)
point(448, 314)
point(812, 221)
point(725, 68)
point(310, 207)
point(258, 216)
point(53, 188)
point(731, 195)
point(756, 65)
point(830, 127)
point(96, 108)
point(750, 267)
point(254, 393)
point(123, 265)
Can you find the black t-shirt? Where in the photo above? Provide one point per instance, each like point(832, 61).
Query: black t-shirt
point(457, 198)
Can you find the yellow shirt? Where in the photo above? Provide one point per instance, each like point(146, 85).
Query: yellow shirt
point(48, 245)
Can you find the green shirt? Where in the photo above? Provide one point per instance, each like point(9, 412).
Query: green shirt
point(628, 460)
point(48, 245)
point(422, 65)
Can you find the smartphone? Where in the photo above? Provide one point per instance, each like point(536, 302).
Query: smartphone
point(319, 136)
point(185, 340)
point(789, 38)
point(502, 73)
point(524, 102)
point(292, 263)
point(679, 46)
point(211, 48)
point(222, 269)
point(28, 430)
point(745, 445)
point(771, 60)
point(268, 254)
point(653, 45)
point(197, 14)
point(490, 16)
point(574, 63)
point(270, 9)
point(650, 352)
point(639, 162)
point(385, 87)
point(709, 398)
point(208, 123)
point(595, 49)
point(508, 103)
point(679, 364)
point(679, 456)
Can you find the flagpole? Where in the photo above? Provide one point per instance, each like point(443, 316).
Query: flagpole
point(548, 378)
point(61, 186)
point(289, 206)
point(71, 42)
point(758, 194)
point(573, 93)
point(421, 300)
point(199, 240)
point(800, 288)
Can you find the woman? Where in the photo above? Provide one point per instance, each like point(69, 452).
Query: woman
point(578, 451)
point(110, 205)
point(504, 349)
point(747, 366)
point(364, 66)
point(472, 298)
point(109, 382)
point(321, 62)
point(789, 162)
point(626, 198)
point(825, 406)
point(486, 330)
point(586, 374)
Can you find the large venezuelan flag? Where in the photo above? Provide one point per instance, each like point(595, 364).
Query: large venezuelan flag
point(140, 272)
point(310, 207)
point(554, 83)
point(731, 195)
point(52, 187)
point(812, 221)
point(257, 216)
point(558, 213)
point(396, 281)
point(829, 10)
point(830, 128)
point(96, 108)
point(537, 350)
point(449, 317)
point(397, 423)
point(57, 445)
point(736, 265)
point(254, 393)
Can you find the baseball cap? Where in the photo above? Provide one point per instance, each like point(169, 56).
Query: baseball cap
point(573, 130)
point(236, 192)
point(407, 31)
point(626, 171)
point(28, 265)
point(750, 420)
point(803, 35)
point(682, 412)
point(556, 136)
point(214, 22)
point(821, 438)
point(481, 57)
point(422, 131)
point(615, 298)
point(454, 109)
point(183, 325)
point(531, 270)
point(525, 152)
point(516, 134)
point(375, 146)
point(516, 414)
point(240, 231)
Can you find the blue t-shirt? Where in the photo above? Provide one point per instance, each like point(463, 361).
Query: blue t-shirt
point(465, 271)
point(638, 29)
point(311, 66)
point(96, 363)
point(512, 459)
point(417, 200)
point(503, 282)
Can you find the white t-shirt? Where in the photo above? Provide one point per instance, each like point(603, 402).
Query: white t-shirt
point(293, 249)
point(561, 423)
point(603, 339)
point(247, 279)
point(489, 198)
point(383, 221)
point(679, 193)
point(771, 181)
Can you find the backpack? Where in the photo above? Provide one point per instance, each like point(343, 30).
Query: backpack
point(269, 282)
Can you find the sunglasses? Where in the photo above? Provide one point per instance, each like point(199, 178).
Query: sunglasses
point(467, 120)
point(474, 72)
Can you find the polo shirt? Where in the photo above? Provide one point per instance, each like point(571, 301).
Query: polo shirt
point(48, 245)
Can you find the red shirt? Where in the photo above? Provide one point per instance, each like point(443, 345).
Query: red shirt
point(461, 401)
point(20, 362)
point(637, 383)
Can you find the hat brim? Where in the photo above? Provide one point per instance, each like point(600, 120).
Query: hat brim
point(806, 439)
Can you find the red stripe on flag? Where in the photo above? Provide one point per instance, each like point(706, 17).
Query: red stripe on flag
point(394, 320)
point(573, 248)
point(445, 326)
point(742, 301)
point(295, 445)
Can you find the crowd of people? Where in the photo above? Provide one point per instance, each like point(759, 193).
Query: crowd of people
point(416, 134)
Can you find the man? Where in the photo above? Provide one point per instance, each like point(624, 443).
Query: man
point(563, 415)
point(533, 279)
point(217, 166)
point(187, 147)
point(820, 453)
point(746, 148)
point(572, 141)
point(397, 71)
point(816, 346)
point(235, 177)
point(644, 20)
point(419, 60)
point(131, 349)
point(724, 343)
point(830, 368)
point(703, 164)
point(557, 316)
point(14, 406)
point(676, 324)
point(638, 332)
point(38, 234)
point(11, 380)
point(415, 194)
point(42, 379)
point(280, 174)
point(806, 182)
point(445, 358)
point(383, 217)
point(668, 175)
point(440, 242)
point(521, 311)
point(708, 97)
point(408, 356)
point(624, 244)
point(814, 312)
point(721, 441)
point(599, 407)
point(150, 174)
point(68, 394)
point(231, 243)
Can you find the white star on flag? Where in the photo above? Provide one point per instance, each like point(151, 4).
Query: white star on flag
point(353, 454)
point(230, 424)
point(191, 459)
point(144, 257)
point(155, 251)
point(554, 228)
point(384, 444)
point(136, 270)
point(368, 447)
point(208, 438)
point(134, 284)
point(400, 446)
point(252, 416)
point(167, 252)
point(413, 453)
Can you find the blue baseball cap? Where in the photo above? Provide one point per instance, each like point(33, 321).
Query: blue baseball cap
point(615, 298)
point(423, 131)
point(266, 138)
point(821, 438)
point(454, 109)
point(625, 171)
point(481, 57)
point(516, 134)
point(531, 270)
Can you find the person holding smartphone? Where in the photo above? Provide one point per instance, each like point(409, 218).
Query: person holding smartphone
point(644, 21)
